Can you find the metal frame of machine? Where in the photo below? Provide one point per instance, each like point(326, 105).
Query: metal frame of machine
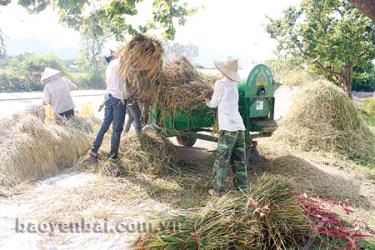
point(256, 105)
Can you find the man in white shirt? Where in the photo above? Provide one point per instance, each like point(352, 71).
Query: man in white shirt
point(114, 110)
point(57, 92)
point(231, 143)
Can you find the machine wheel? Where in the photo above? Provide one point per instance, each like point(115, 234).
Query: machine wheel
point(151, 128)
point(186, 141)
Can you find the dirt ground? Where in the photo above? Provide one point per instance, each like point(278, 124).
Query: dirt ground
point(135, 199)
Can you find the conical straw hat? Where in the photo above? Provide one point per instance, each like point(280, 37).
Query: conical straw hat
point(229, 68)
point(48, 73)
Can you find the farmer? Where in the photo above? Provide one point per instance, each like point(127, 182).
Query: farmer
point(114, 110)
point(57, 92)
point(231, 143)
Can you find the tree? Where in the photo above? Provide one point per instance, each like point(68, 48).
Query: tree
point(2, 45)
point(331, 35)
point(94, 39)
point(113, 16)
point(188, 50)
point(366, 6)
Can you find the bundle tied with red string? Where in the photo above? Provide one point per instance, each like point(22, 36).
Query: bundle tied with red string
point(268, 218)
point(327, 222)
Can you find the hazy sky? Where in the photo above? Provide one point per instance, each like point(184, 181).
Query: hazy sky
point(223, 28)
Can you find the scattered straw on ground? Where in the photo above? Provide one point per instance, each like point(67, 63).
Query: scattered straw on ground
point(32, 149)
point(323, 118)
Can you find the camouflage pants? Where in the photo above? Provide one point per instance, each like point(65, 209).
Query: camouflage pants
point(230, 149)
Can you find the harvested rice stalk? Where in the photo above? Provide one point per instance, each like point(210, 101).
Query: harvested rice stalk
point(182, 86)
point(31, 149)
point(185, 97)
point(325, 119)
point(141, 63)
point(269, 218)
point(148, 153)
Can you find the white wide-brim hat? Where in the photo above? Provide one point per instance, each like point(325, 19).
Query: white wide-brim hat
point(229, 68)
point(49, 73)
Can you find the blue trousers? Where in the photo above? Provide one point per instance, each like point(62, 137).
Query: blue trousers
point(134, 116)
point(114, 112)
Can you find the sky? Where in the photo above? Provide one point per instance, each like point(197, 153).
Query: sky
point(222, 28)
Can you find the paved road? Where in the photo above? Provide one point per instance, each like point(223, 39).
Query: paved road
point(11, 103)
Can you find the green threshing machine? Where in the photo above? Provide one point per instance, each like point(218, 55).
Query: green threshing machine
point(256, 104)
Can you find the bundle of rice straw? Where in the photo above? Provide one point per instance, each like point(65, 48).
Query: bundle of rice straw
point(31, 149)
point(323, 118)
point(141, 63)
point(269, 218)
point(146, 153)
point(182, 86)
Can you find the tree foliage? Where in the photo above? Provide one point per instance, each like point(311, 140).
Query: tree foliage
point(331, 35)
point(23, 72)
point(2, 45)
point(113, 17)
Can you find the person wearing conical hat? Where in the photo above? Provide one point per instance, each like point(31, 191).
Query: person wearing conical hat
point(57, 92)
point(231, 142)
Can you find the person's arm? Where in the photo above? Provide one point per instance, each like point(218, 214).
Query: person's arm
point(47, 96)
point(101, 106)
point(216, 96)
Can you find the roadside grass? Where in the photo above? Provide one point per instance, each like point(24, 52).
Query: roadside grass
point(367, 111)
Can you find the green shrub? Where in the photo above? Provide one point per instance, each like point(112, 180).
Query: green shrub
point(23, 73)
point(94, 79)
point(11, 81)
point(367, 85)
point(367, 111)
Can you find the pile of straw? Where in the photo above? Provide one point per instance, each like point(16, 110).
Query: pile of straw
point(269, 218)
point(32, 149)
point(146, 153)
point(323, 118)
point(177, 85)
point(141, 63)
point(182, 86)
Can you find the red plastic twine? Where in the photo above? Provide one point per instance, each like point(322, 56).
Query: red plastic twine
point(328, 223)
point(196, 235)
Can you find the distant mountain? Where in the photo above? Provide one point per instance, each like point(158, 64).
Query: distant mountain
point(20, 46)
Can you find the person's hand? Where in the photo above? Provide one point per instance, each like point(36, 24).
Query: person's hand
point(101, 107)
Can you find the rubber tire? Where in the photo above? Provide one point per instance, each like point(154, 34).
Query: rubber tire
point(186, 141)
